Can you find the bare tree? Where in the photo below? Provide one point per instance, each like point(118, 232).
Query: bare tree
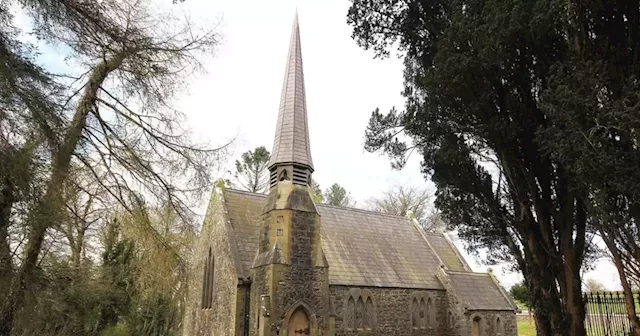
point(594, 286)
point(87, 204)
point(117, 120)
point(402, 199)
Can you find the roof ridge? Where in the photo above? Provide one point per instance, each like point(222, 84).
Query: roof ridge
point(362, 210)
point(322, 204)
point(245, 192)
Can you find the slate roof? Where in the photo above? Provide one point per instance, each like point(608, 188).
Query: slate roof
point(478, 291)
point(291, 142)
point(363, 248)
point(446, 252)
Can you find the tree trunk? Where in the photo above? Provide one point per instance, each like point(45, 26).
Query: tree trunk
point(78, 247)
point(6, 262)
point(48, 207)
point(626, 288)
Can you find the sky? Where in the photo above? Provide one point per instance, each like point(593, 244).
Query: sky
point(238, 97)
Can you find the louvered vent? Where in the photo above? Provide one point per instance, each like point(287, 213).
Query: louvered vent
point(273, 178)
point(300, 175)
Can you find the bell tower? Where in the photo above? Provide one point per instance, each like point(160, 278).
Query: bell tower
point(290, 274)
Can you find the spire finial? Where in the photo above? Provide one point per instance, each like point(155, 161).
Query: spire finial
point(291, 148)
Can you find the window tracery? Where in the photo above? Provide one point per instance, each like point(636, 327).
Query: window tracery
point(360, 311)
point(423, 311)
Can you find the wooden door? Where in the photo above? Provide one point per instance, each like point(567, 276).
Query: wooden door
point(298, 323)
point(476, 326)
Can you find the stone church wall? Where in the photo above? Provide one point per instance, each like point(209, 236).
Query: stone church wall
point(392, 311)
point(220, 319)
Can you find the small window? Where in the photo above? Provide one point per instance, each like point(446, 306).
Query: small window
point(423, 314)
point(360, 314)
point(499, 327)
point(279, 232)
point(368, 314)
point(452, 323)
point(431, 314)
point(349, 316)
point(415, 313)
point(207, 282)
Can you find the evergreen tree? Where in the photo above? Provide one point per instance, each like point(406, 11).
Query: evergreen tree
point(475, 72)
point(316, 192)
point(251, 170)
point(338, 196)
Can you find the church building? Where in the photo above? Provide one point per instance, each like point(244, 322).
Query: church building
point(281, 264)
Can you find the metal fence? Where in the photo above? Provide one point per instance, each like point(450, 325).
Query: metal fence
point(607, 314)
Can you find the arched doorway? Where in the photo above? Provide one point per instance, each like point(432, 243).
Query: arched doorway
point(298, 323)
point(477, 328)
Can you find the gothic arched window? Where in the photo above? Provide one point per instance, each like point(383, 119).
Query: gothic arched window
point(349, 316)
point(368, 314)
point(360, 310)
point(207, 282)
point(451, 320)
point(415, 313)
point(431, 314)
point(423, 313)
point(360, 314)
point(499, 327)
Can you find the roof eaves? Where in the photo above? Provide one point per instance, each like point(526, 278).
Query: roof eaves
point(233, 244)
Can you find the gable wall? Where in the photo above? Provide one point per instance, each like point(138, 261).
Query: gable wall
point(392, 311)
point(221, 318)
point(460, 318)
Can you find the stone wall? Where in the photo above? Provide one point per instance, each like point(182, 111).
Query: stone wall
point(220, 319)
point(392, 311)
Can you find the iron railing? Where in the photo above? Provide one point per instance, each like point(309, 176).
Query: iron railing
point(607, 314)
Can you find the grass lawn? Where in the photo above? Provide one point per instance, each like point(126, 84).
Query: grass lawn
point(524, 329)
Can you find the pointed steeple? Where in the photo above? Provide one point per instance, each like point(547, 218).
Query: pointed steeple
point(291, 146)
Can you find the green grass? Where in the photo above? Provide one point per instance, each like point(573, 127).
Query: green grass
point(524, 329)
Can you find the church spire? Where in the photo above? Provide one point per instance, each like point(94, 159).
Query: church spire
point(291, 155)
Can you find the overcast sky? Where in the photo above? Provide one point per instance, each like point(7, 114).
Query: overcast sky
point(239, 96)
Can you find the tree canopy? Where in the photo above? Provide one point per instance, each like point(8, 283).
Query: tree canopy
point(88, 140)
point(401, 199)
point(251, 170)
point(338, 196)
